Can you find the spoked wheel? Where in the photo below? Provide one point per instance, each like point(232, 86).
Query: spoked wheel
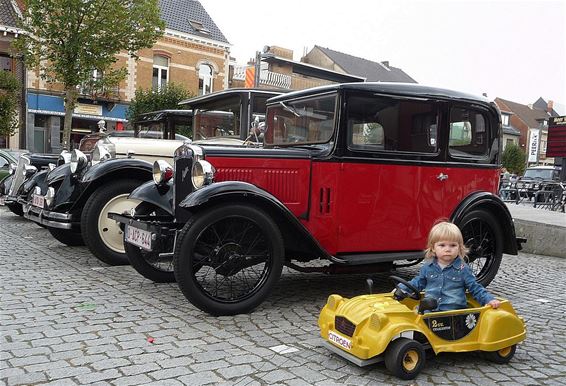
point(483, 236)
point(501, 356)
point(405, 358)
point(228, 258)
point(149, 264)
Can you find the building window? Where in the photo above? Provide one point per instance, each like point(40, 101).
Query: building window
point(204, 79)
point(199, 27)
point(5, 63)
point(160, 72)
point(505, 119)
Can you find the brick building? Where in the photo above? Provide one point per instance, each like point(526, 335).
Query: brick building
point(192, 52)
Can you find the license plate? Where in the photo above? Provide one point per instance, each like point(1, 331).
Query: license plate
point(339, 340)
point(138, 237)
point(38, 200)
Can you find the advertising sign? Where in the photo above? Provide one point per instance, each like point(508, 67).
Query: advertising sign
point(556, 137)
point(533, 145)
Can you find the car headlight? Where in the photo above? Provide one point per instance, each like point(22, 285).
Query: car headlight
point(202, 174)
point(377, 320)
point(13, 168)
point(49, 196)
point(100, 154)
point(29, 170)
point(333, 302)
point(78, 161)
point(64, 158)
point(162, 172)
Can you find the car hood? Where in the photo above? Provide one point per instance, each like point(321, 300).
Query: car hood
point(357, 309)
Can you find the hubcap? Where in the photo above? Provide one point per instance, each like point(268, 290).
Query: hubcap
point(505, 351)
point(109, 231)
point(410, 360)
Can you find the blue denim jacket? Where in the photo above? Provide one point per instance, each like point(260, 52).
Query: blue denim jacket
point(448, 286)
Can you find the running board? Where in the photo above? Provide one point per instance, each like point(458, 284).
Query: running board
point(374, 258)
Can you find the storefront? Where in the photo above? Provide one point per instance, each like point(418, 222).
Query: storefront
point(46, 115)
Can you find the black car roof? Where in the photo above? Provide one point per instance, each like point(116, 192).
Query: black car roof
point(231, 91)
point(406, 89)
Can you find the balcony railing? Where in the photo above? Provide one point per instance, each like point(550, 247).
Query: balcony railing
point(266, 78)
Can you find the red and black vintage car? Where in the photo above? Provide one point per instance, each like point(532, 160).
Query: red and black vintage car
point(354, 175)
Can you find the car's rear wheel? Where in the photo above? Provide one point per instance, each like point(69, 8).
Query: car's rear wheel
point(102, 235)
point(483, 236)
point(149, 264)
point(501, 356)
point(405, 358)
point(228, 258)
point(69, 237)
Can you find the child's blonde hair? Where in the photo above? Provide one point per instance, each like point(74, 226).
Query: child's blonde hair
point(445, 231)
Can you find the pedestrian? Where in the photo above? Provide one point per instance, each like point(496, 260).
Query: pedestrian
point(445, 276)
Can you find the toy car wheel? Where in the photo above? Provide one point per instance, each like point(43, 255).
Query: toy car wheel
point(483, 236)
point(501, 356)
point(68, 237)
point(149, 264)
point(102, 235)
point(405, 358)
point(228, 258)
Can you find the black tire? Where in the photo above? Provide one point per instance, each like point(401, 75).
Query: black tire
point(405, 358)
point(483, 236)
point(103, 236)
point(149, 264)
point(15, 208)
point(235, 233)
point(502, 356)
point(68, 237)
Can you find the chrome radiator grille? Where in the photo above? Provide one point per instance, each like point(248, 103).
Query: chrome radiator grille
point(19, 175)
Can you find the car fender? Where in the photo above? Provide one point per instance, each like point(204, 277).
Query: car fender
point(102, 169)
point(493, 204)
point(38, 179)
point(233, 191)
point(158, 195)
point(59, 173)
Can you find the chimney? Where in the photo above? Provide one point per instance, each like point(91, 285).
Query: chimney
point(549, 106)
point(386, 63)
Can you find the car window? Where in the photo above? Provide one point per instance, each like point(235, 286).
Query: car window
point(468, 133)
point(545, 174)
point(218, 119)
point(385, 124)
point(306, 121)
point(4, 163)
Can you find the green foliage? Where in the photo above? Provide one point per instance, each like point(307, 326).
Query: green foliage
point(146, 101)
point(9, 90)
point(513, 159)
point(69, 39)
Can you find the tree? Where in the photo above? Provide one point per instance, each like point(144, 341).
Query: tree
point(68, 39)
point(513, 159)
point(146, 101)
point(9, 89)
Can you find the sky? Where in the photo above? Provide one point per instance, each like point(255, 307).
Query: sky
point(515, 50)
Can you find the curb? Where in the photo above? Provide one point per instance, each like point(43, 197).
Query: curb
point(542, 239)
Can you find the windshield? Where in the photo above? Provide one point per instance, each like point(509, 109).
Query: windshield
point(181, 125)
point(218, 119)
point(303, 122)
point(545, 174)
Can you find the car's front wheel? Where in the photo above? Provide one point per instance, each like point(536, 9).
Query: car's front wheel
point(102, 235)
point(501, 356)
point(484, 238)
point(68, 237)
point(228, 258)
point(405, 358)
point(151, 265)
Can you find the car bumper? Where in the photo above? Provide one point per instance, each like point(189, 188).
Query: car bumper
point(49, 218)
point(156, 228)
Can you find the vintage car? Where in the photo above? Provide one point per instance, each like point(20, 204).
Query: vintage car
point(30, 168)
point(370, 328)
point(76, 199)
point(352, 174)
point(7, 159)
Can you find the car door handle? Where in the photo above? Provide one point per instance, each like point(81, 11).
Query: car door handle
point(442, 177)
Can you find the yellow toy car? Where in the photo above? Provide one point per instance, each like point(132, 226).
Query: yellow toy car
point(370, 328)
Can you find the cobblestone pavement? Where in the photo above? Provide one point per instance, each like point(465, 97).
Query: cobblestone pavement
point(68, 319)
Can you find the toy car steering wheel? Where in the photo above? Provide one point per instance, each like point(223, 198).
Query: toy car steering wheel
point(414, 292)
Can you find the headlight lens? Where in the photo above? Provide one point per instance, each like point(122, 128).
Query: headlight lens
point(100, 154)
point(13, 168)
point(78, 160)
point(29, 170)
point(202, 174)
point(162, 172)
point(334, 301)
point(64, 158)
point(49, 196)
